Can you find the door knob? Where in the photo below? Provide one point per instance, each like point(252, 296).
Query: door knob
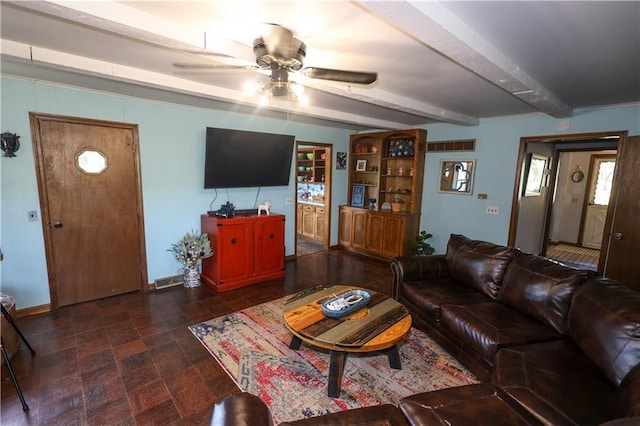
point(618, 236)
point(57, 225)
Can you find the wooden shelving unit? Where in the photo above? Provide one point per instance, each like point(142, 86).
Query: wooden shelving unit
point(390, 167)
point(314, 167)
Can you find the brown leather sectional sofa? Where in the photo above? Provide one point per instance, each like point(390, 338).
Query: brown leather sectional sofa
point(552, 345)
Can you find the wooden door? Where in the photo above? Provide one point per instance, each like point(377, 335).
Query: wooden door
point(359, 229)
point(308, 221)
point(375, 233)
point(621, 261)
point(319, 225)
point(345, 220)
point(269, 245)
point(234, 251)
point(393, 236)
point(89, 184)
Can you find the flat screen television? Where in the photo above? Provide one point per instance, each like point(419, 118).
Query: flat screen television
point(243, 159)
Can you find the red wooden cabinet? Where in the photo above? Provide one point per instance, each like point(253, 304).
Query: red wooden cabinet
point(246, 250)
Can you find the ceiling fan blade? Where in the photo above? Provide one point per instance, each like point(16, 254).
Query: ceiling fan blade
point(193, 66)
point(340, 75)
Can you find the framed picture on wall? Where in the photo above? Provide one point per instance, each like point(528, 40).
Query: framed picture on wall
point(357, 196)
point(361, 166)
point(535, 171)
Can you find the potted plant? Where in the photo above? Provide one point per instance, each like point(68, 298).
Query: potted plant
point(422, 247)
point(190, 251)
point(396, 204)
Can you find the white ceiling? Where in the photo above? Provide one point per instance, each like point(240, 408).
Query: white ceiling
point(452, 62)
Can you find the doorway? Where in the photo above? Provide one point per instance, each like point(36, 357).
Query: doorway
point(313, 197)
point(89, 184)
point(562, 212)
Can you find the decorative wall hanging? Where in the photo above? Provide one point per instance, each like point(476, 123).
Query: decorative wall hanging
point(341, 161)
point(456, 176)
point(10, 144)
point(578, 175)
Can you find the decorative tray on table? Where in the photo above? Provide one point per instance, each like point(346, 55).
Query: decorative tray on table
point(345, 303)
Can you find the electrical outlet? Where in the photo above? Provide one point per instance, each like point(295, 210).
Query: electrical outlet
point(493, 210)
point(288, 201)
point(32, 215)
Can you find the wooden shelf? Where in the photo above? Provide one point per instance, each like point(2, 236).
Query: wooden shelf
point(383, 233)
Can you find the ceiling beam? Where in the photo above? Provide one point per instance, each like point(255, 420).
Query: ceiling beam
point(110, 71)
point(375, 96)
point(433, 25)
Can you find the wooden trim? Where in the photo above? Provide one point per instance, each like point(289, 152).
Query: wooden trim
point(33, 310)
point(560, 140)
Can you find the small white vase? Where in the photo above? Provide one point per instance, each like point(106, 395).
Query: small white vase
point(191, 277)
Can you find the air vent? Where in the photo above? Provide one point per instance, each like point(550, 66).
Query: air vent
point(169, 281)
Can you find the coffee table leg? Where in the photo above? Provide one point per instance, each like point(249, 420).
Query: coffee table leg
point(394, 357)
point(336, 367)
point(295, 343)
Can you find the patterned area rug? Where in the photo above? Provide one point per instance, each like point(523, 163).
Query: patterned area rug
point(253, 347)
point(577, 257)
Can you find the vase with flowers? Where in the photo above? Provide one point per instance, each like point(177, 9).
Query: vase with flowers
point(190, 251)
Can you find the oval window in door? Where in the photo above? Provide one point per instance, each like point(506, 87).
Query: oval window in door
point(92, 162)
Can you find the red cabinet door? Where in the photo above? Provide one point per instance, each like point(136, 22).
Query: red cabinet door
point(269, 246)
point(234, 251)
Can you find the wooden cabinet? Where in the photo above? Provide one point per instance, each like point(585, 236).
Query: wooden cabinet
point(308, 220)
point(319, 224)
point(299, 219)
point(379, 234)
point(310, 165)
point(247, 250)
point(311, 221)
point(390, 168)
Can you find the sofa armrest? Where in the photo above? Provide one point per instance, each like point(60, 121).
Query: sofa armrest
point(417, 268)
point(240, 409)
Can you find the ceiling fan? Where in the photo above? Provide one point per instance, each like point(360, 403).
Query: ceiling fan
point(280, 53)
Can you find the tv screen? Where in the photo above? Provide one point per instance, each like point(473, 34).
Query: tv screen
point(243, 159)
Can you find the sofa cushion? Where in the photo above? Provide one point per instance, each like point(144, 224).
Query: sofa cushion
point(604, 321)
point(478, 264)
point(487, 327)
point(557, 382)
point(425, 298)
point(464, 405)
point(541, 288)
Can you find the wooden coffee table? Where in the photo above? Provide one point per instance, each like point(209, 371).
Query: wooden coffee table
point(379, 326)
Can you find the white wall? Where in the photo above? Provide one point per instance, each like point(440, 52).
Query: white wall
point(532, 210)
point(567, 208)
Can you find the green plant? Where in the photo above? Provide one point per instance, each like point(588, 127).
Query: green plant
point(422, 247)
point(191, 249)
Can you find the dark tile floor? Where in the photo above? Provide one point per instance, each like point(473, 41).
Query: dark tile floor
point(130, 359)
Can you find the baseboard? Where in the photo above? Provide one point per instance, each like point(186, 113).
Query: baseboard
point(33, 310)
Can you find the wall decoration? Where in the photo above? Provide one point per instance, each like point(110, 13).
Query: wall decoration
point(357, 196)
point(361, 166)
point(341, 161)
point(535, 170)
point(578, 175)
point(456, 176)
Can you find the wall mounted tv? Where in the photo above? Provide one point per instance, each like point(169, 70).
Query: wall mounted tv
point(243, 159)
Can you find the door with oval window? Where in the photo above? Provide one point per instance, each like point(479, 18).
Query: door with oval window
point(89, 185)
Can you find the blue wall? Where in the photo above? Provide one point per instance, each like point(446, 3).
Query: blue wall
point(497, 143)
point(171, 153)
